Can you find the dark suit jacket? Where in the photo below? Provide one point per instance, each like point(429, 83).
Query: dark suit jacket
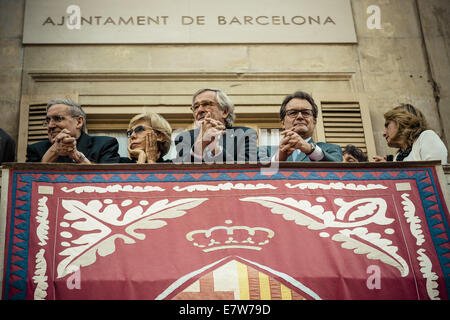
point(7, 147)
point(98, 149)
point(239, 144)
point(332, 152)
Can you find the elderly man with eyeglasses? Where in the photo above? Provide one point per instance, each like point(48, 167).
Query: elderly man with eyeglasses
point(298, 117)
point(67, 142)
point(215, 139)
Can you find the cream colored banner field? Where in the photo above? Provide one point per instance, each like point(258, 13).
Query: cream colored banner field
point(188, 21)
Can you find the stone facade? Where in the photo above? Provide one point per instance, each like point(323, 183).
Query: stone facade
point(11, 63)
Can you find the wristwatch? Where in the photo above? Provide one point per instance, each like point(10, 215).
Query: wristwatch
point(81, 156)
point(313, 147)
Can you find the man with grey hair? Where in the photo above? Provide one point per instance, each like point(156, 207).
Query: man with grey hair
point(214, 139)
point(67, 142)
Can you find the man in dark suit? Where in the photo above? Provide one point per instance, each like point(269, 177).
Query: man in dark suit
point(214, 139)
point(67, 141)
point(298, 117)
point(7, 147)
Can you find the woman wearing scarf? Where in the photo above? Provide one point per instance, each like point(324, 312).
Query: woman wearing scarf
point(406, 128)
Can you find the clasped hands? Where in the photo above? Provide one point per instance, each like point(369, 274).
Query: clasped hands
point(290, 142)
point(63, 145)
point(210, 132)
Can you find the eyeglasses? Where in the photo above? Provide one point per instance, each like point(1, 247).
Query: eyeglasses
point(55, 119)
point(137, 130)
point(204, 104)
point(293, 113)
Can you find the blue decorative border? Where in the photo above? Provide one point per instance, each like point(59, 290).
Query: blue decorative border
point(21, 239)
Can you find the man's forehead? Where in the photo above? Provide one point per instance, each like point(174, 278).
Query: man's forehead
point(206, 95)
point(58, 108)
point(298, 103)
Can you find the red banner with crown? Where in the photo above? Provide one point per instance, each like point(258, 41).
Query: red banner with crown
point(232, 233)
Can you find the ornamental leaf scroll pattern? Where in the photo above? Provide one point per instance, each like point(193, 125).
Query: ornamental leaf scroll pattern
point(426, 267)
point(96, 221)
point(349, 221)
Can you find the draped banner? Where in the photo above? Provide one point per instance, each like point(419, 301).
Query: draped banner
point(225, 233)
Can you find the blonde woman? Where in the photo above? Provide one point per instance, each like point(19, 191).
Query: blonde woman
point(148, 138)
point(406, 128)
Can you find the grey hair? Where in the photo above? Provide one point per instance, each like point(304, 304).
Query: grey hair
point(75, 109)
point(224, 102)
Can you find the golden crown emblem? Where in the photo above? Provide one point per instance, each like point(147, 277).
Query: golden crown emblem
point(227, 237)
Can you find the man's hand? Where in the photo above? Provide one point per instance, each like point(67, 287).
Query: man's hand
point(63, 145)
point(210, 133)
point(290, 142)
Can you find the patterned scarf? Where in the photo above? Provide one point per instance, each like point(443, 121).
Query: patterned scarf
point(403, 154)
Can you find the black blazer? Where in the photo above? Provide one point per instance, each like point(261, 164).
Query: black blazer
point(98, 149)
point(239, 144)
point(7, 147)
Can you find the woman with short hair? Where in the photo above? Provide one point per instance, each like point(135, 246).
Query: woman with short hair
point(148, 138)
